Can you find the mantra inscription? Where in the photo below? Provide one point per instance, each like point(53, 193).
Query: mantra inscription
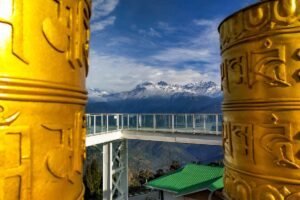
point(69, 32)
point(276, 139)
point(67, 159)
point(267, 65)
point(14, 159)
point(11, 13)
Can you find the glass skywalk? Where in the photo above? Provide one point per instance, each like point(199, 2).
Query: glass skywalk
point(174, 123)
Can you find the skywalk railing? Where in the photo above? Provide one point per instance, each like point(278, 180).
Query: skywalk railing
point(171, 123)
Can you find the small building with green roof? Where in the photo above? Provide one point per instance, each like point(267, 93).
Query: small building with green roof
point(190, 182)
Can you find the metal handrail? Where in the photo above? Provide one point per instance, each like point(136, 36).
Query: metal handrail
point(195, 123)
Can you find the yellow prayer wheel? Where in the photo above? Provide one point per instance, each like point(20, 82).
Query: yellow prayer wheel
point(43, 66)
point(260, 47)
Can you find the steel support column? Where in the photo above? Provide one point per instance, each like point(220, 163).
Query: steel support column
point(115, 170)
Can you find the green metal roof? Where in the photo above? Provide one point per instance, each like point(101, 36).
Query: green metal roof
point(218, 184)
point(189, 179)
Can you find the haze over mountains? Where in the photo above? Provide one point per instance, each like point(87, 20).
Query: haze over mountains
point(158, 97)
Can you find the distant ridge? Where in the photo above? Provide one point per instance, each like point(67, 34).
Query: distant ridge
point(159, 97)
point(160, 89)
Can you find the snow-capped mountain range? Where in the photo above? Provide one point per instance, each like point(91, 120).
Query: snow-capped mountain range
point(161, 89)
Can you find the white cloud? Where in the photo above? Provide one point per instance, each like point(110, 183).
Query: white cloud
point(119, 40)
point(203, 47)
point(102, 24)
point(110, 72)
point(178, 55)
point(166, 27)
point(100, 15)
point(102, 8)
point(150, 32)
point(204, 22)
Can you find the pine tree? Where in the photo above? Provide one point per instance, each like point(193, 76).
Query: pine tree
point(93, 181)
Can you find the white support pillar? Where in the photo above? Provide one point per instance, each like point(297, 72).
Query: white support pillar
point(122, 121)
point(185, 120)
point(107, 172)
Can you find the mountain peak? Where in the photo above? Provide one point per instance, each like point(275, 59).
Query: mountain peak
point(162, 83)
point(145, 84)
point(161, 89)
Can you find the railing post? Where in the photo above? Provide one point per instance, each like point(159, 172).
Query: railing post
point(137, 122)
point(102, 125)
point(107, 124)
point(118, 122)
point(154, 122)
point(128, 123)
point(194, 123)
point(185, 121)
point(88, 120)
point(122, 121)
point(173, 123)
point(94, 124)
point(140, 121)
point(217, 124)
point(204, 122)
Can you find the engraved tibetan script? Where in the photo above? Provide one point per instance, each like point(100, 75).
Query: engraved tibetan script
point(14, 159)
point(268, 65)
point(278, 142)
point(69, 32)
point(227, 139)
point(242, 135)
point(71, 150)
point(234, 71)
point(11, 13)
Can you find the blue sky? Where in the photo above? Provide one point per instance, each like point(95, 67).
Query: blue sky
point(151, 40)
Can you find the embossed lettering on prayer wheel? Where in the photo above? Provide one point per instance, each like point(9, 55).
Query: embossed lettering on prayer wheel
point(43, 65)
point(260, 68)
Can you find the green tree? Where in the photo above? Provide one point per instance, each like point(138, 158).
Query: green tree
point(145, 175)
point(93, 181)
point(175, 165)
point(159, 173)
point(134, 184)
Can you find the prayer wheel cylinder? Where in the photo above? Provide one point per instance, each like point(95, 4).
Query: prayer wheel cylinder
point(260, 47)
point(43, 66)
